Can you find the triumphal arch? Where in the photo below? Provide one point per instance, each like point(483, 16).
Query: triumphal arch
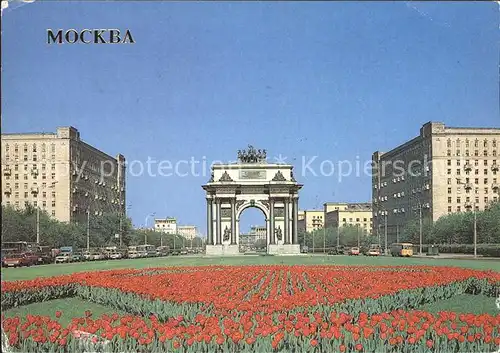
point(252, 182)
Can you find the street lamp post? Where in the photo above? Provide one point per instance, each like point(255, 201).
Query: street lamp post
point(420, 227)
point(475, 221)
point(146, 226)
point(386, 250)
point(88, 229)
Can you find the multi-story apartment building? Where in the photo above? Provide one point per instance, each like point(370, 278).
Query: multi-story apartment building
point(311, 221)
point(166, 225)
point(342, 214)
point(61, 174)
point(443, 170)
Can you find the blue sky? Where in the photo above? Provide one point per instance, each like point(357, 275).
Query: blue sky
point(333, 80)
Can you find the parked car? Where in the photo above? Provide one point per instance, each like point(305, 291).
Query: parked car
point(162, 251)
point(77, 257)
point(63, 257)
point(143, 253)
point(114, 255)
point(338, 250)
point(353, 251)
point(20, 259)
point(184, 252)
point(304, 250)
point(175, 252)
point(87, 256)
point(373, 252)
point(132, 254)
point(97, 256)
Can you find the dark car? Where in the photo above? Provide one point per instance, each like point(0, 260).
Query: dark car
point(338, 250)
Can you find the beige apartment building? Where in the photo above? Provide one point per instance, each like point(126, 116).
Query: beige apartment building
point(310, 221)
point(443, 170)
point(342, 214)
point(61, 174)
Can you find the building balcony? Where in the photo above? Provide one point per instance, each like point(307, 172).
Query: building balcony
point(495, 167)
point(468, 205)
point(34, 190)
point(7, 191)
point(34, 172)
point(495, 187)
point(468, 167)
point(468, 186)
point(7, 171)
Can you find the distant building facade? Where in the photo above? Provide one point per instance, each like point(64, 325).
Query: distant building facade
point(188, 232)
point(339, 214)
point(61, 174)
point(166, 225)
point(312, 220)
point(441, 171)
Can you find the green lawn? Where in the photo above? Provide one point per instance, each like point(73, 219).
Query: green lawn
point(11, 274)
point(464, 303)
point(70, 308)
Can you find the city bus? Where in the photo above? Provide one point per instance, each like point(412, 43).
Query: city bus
point(402, 249)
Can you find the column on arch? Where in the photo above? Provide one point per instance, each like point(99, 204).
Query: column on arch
point(210, 222)
point(233, 221)
point(218, 235)
point(272, 236)
point(295, 215)
point(286, 229)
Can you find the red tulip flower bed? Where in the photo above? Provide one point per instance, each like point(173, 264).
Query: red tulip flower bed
point(259, 309)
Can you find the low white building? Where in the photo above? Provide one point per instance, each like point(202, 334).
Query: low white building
point(188, 232)
point(167, 225)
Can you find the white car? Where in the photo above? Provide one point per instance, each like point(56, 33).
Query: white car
point(133, 255)
point(115, 255)
point(63, 258)
point(96, 256)
point(87, 256)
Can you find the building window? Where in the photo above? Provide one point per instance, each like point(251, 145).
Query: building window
point(44, 194)
point(485, 162)
point(25, 158)
point(477, 199)
point(53, 175)
point(53, 213)
point(458, 171)
point(476, 181)
point(467, 153)
point(449, 209)
point(449, 171)
point(448, 143)
point(476, 153)
point(53, 167)
point(44, 176)
point(494, 153)
point(448, 153)
point(485, 143)
point(467, 199)
point(449, 190)
point(458, 152)
point(486, 180)
point(449, 161)
point(485, 152)
point(53, 148)
point(486, 172)
point(486, 199)
point(44, 204)
point(449, 199)
point(16, 176)
point(449, 181)
point(16, 167)
point(458, 209)
point(25, 149)
point(458, 162)
point(459, 200)
point(53, 204)
point(25, 194)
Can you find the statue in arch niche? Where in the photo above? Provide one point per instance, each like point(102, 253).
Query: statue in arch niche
point(227, 234)
point(278, 233)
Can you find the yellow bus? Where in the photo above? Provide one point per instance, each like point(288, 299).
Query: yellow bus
point(402, 249)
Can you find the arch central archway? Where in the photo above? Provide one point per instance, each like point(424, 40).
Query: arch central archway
point(252, 225)
point(251, 182)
